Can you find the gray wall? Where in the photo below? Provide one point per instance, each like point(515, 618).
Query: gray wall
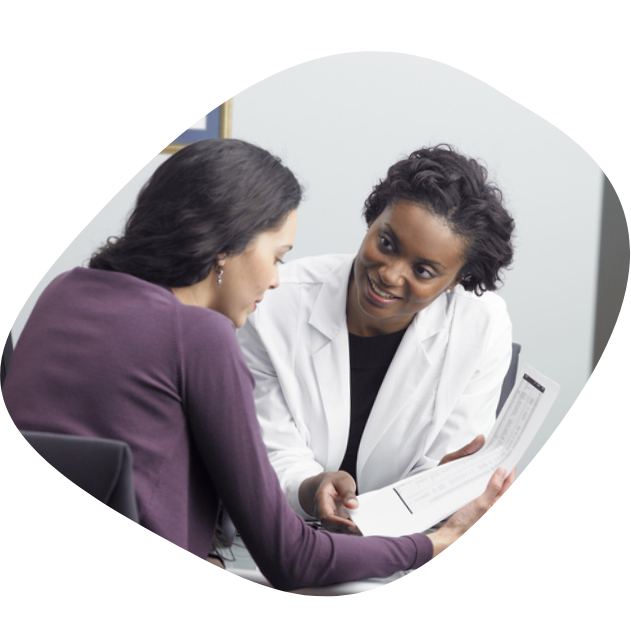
point(108, 222)
point(339, 122)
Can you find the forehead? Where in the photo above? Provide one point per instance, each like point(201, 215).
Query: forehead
point(280, 236)
point(422, 235)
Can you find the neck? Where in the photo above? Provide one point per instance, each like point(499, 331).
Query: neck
point(198, 295)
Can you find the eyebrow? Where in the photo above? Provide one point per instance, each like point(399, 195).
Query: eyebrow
point(427, 261)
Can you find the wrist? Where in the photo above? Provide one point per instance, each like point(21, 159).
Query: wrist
point(443, 537)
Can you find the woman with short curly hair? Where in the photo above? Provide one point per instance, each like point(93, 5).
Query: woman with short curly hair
point(455, 189)
point(371, 368)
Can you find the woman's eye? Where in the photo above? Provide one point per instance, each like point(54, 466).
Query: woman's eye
point(280, 260)
point(422, 272)
point(385, 243)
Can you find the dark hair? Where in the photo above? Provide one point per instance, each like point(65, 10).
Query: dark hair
point(455, 188)
point(211, 197)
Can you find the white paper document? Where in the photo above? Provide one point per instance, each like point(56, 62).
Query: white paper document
point(419, 502)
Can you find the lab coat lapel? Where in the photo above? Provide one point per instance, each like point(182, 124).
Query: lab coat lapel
point(331, 359)
point(409, 375)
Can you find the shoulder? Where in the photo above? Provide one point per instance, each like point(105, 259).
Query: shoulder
point(481, 320)
point(311, 270)
point(97, 284)
point(202, 328)
point(488, 304)
point(151, 311)
point(108, 297)
point(478, 318)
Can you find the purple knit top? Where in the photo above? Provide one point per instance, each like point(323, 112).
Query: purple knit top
point(109, 355)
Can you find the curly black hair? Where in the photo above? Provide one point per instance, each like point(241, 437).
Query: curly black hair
point(211, 197)
point(455, 188)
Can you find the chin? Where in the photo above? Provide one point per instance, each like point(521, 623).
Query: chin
point(373, 311)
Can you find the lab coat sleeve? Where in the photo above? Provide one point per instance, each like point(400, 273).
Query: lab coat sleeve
point(474, 410)
point(286, 442)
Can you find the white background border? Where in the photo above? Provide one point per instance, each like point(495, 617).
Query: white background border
point(536, 506)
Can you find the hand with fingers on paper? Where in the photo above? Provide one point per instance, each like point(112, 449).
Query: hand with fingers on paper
point(328, 496)
point(465, 517)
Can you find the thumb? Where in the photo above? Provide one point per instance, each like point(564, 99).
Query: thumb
point(350, 500)
point(494, 486)
point(474, 446)
point(470, 448)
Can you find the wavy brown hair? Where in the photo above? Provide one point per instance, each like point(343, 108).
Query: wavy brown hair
point(211, 197)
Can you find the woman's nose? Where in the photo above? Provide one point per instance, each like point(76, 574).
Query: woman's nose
point(391, 275)
point(275, 282)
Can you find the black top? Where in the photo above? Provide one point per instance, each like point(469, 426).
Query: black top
point(370, 358)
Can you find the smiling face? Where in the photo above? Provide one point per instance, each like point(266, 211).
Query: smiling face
point(408, 258)
point(247, 276)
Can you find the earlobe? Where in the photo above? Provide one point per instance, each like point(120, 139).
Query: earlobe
point(220, 262)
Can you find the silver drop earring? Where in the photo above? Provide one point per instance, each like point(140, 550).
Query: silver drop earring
point(219, 274)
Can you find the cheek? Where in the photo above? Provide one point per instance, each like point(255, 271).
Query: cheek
point(368, 253)
point(422, 295)
point(261, 278)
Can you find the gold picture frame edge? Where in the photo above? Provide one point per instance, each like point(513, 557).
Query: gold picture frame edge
point(225, 127)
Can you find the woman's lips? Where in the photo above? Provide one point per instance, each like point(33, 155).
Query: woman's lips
point(374, 295)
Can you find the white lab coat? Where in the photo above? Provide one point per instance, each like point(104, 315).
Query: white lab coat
point(440, 391)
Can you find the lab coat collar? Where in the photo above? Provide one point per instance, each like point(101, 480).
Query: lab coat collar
point(433, 318)
point(329, 310)
point(330, 358)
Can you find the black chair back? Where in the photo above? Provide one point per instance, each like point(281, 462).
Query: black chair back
point(7, 352)
point(101, 467)
point(509, 379)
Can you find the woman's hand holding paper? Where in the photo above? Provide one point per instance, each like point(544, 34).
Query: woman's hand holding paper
point(465, 517)
point(327, 497)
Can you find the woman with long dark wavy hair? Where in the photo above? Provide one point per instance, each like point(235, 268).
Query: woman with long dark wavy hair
point(141, 347)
